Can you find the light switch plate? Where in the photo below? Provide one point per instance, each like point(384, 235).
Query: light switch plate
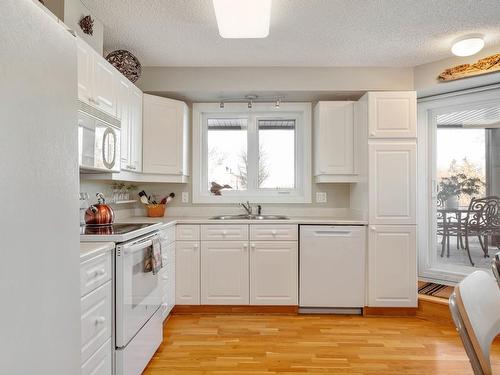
point(321, 197)
point(185, 197)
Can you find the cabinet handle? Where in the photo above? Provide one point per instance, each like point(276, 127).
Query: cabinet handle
point(252, 246)
point(245, 246)
point(100, 320)
point(273, 232)
point(372, 134)
point(224, 232)
point(195, 246)
point(100, 272)
point(373, 228)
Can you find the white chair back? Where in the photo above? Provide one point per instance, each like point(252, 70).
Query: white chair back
point(475, 307)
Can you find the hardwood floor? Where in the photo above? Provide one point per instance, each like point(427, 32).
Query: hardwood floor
point(308, 344)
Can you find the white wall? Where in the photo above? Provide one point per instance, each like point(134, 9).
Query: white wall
point(427, 84)
point(39, 268)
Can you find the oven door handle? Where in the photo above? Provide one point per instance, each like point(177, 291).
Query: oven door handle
point(140, 246)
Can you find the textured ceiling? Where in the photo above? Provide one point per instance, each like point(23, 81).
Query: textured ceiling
point(302, 33)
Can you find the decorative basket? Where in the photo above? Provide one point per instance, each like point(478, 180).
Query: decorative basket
point(126, 63)
point(156, 210)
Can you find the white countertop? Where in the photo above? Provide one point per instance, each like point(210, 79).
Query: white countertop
point(91, 249)
point(353, 219)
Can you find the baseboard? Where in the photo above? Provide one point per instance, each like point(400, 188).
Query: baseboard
point(434, 309)
point(389, 311)
point(234, 309)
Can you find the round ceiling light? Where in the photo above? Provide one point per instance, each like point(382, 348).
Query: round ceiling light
point(467, 46)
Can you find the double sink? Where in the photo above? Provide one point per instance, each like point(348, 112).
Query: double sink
point(249, 217)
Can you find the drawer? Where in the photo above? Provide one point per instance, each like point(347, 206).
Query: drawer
point(278, 232)
point(95, 320)
point(95, 272)
point(187, 233)
point(228, 232)
point(167, 234)
point(100, 363)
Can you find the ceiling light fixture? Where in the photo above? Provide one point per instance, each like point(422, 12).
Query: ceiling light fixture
point(221, 105)
point(243, 18)
point(278, 103)
point(467, 46)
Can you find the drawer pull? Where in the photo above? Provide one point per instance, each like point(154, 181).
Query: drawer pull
point(96, 273)
point(273, 232)
point(100, 320)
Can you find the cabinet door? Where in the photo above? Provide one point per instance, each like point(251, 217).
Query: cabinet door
point(392, 183)
point(392, 266)
point(334, 135)
point(85, 70)
point(392, 114)
point(273, 273)
point(104, 83)
point(224, 272)
point(123, 111)
point(165, 136)
point(187, 273)
point(171, 271)
point(135, 129)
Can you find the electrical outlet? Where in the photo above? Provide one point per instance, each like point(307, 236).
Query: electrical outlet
point(185, 197)
point(321, 197)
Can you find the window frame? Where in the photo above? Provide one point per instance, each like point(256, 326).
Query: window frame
point(300, 112)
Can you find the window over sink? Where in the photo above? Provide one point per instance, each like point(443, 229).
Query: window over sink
point(260, 154)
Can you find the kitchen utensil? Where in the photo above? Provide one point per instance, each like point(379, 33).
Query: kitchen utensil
point(100, 213)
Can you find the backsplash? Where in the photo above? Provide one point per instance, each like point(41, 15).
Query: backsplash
point(337, 199)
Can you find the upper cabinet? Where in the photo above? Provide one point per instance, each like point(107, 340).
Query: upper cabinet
point(130, 115)
point(392, 114)
point(334, 142)
point(96, 79)
point(165, 136)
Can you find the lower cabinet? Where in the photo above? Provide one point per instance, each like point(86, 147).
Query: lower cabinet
point(392, 266)
point(187, 273)
point(237, 264)
point(274, 273)
point(224, 272)
point(101, 362)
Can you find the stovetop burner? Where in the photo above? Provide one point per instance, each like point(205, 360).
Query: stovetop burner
point(110, 229)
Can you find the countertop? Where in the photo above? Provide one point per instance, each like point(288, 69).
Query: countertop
point(354, 219)
point(89, 250)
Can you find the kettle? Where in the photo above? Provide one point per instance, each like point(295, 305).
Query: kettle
point(100, 213)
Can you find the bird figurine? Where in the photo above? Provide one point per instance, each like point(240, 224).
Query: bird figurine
point(216, 188)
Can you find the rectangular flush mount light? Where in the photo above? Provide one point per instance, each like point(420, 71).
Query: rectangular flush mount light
point(243, 18)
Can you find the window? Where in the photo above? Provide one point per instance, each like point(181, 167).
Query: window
point(260, 154)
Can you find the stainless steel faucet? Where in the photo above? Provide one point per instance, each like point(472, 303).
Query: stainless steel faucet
point(247, 207)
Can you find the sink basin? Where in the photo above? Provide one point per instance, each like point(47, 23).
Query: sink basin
point(249, 217)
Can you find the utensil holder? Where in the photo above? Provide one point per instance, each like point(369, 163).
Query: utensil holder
point(156, 210)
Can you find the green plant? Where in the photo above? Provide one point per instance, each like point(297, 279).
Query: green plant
point(459, 184)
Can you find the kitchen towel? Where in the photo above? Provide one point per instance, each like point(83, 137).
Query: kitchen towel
point(156, 256)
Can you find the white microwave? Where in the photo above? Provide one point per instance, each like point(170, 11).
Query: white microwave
point(98, 141)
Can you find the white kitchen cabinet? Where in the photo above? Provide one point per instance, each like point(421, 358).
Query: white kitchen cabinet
point(392, 266)
point(130, 114)
point(392, 114)
point(224, 272)
point(334, 142)
point(392, 182)
point(165, 136)
point(96, 79)
point(187, 273)
point(167, 273)
point(273, 273)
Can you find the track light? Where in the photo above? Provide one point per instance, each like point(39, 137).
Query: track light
point(250, 103)
point(221, 105)
point(278, 102)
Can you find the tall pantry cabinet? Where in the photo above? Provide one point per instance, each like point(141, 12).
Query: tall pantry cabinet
point(386, 145)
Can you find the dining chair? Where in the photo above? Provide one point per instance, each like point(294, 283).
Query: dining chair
point(495, 267)
point(482, 220)
point(475, 307)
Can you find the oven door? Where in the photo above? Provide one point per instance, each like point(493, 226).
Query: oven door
point(138, 291)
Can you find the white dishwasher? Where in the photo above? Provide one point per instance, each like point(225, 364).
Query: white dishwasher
point(332, 269)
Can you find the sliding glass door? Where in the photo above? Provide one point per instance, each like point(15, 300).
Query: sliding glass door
point(459, 161)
